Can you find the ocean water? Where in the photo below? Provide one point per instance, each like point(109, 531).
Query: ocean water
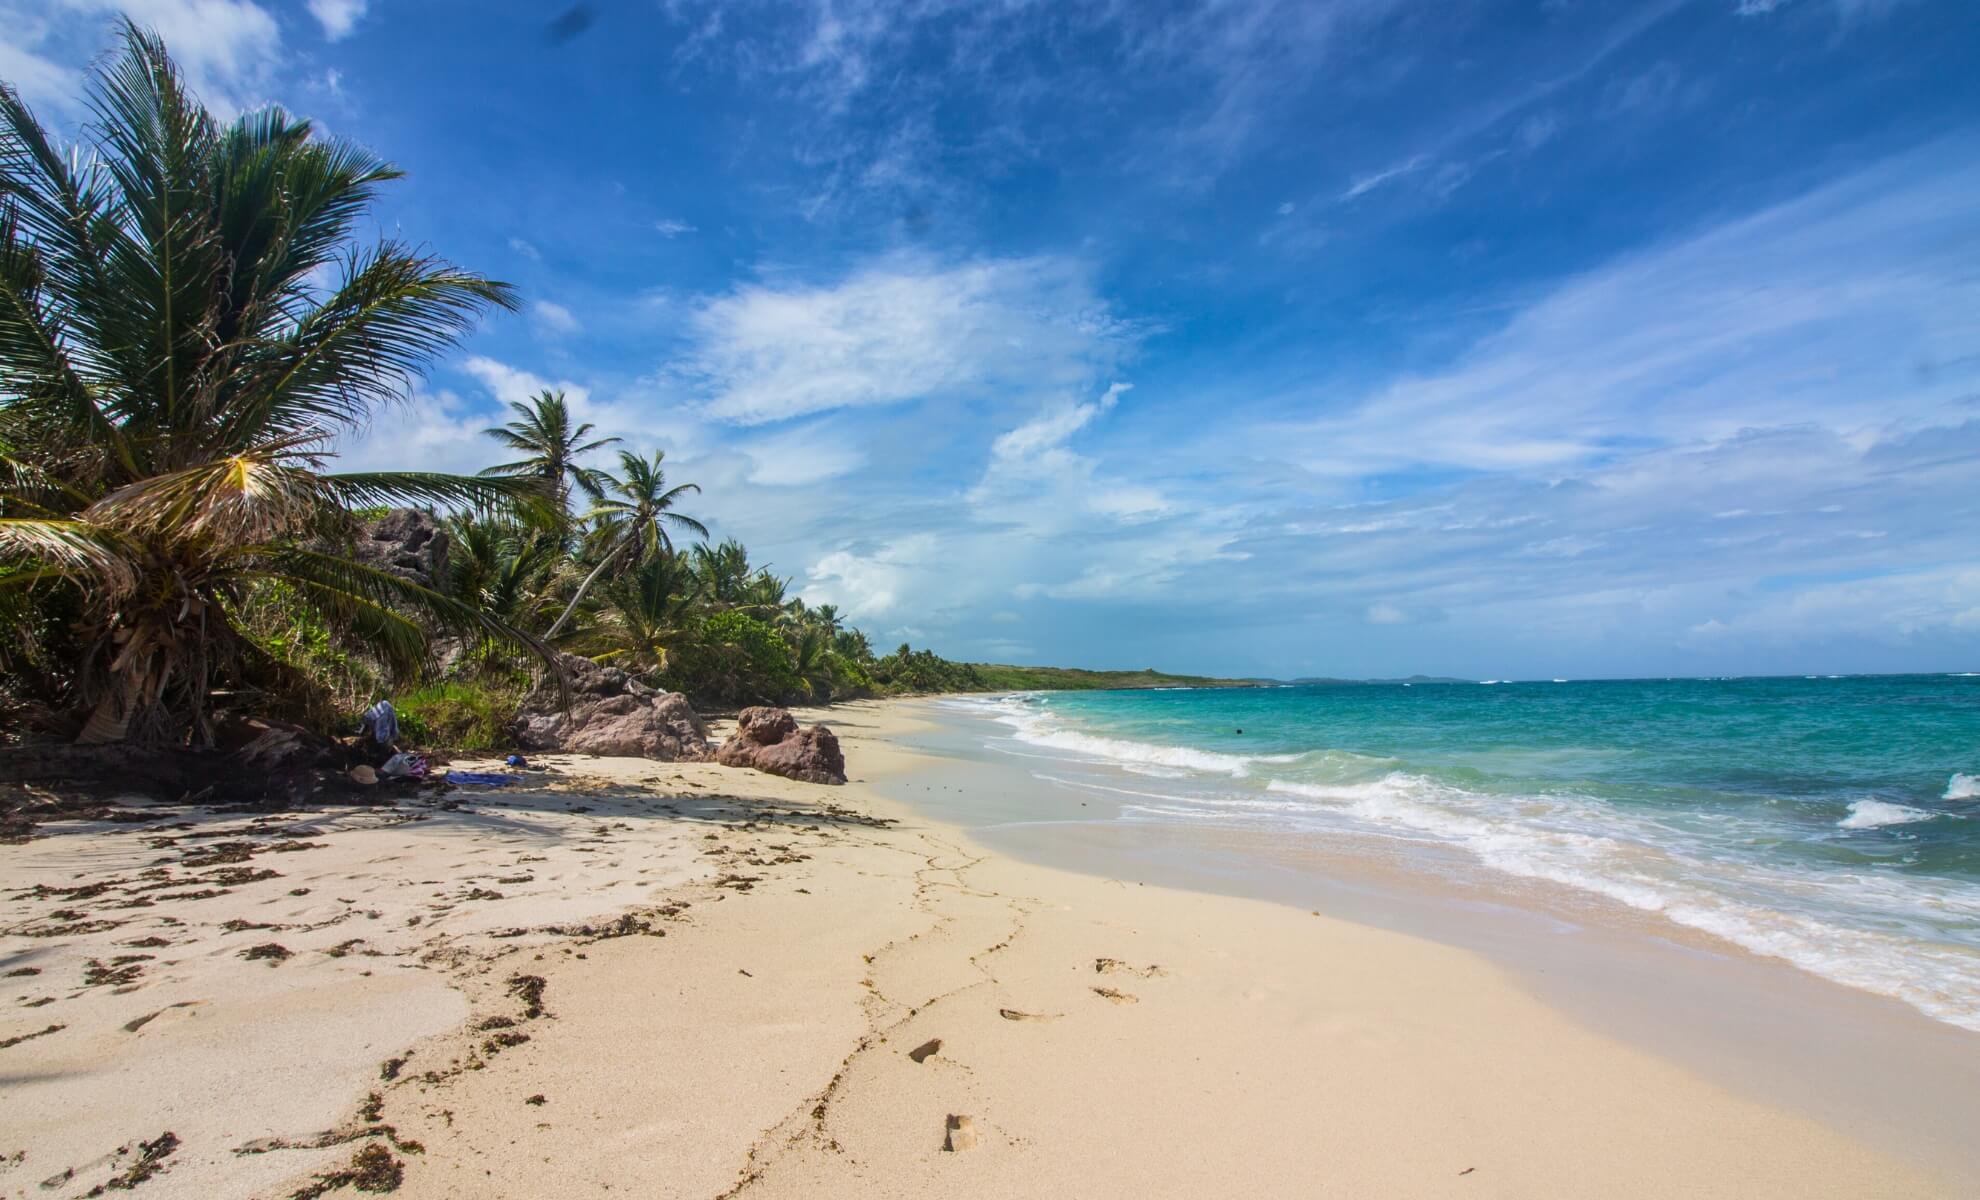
point(1831, 822)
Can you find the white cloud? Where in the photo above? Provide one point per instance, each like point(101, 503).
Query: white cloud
point(672, 228)
point(905, 329)
point(1827, 310)
point(227, 48)
point(803, 455)
point(1034, 476)
point(42, 82)
point(512, 385)
point(338, 17)
point(525, 249)
point(1386, 614)
point(553, 319)
point(1363, 184)
point(433, 431)
point(868, 586)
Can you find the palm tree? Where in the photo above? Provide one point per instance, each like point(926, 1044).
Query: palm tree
point(724, 569)
point(186, 321)
point(826, 617)
point(543, 433)
point(814, 661)
point(648, 610)
point(502, 566)
point(852, 644)
point(635, 512)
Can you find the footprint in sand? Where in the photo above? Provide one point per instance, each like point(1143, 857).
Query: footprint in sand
point(1114, 966)
point(1012, 1014)
point(1117, 997)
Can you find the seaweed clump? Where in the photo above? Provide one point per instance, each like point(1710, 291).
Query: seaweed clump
point(372, 1169)
point(151, 1156)
point(529, 989)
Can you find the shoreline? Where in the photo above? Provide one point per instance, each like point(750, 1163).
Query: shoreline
point(734, 969)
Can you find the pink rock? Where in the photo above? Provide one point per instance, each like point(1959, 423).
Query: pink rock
point(610, 713)
point(769, 740)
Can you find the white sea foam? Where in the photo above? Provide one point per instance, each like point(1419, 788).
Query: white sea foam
point(1779, 912)
point(1036, 728)
point(1875, 814)
point(1874, 930)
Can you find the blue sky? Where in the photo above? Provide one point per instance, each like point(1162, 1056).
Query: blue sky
point(1553, 338)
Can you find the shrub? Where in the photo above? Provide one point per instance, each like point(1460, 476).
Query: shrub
point(464, 715)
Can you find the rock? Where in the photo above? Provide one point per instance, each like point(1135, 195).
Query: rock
point(610, 713)
point(769, 740)
point(962, 1134)
point(363, 774)
point(409, 543)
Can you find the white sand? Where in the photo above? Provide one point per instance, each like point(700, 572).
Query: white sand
point(1103, 1039)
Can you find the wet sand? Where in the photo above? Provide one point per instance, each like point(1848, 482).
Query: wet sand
point(683, 980)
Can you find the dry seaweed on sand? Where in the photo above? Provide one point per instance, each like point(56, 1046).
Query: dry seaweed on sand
point(372, 1169)
point(11, 1042)
point(150, 1155)
point(273, 952)
point(529, 989)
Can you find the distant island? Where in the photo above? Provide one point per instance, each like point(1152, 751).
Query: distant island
point(996, 677)
point(1000, 677)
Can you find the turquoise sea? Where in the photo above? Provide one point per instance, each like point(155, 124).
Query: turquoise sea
point(1833, 822)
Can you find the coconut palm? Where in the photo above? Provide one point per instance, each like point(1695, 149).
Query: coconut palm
point(814, 662)
point(648, 610)
point(551, 445)
point(634, 513)
point(827, 618)
point(851, 644)
point(502, 566)
point(186, 322)
point(724, 569)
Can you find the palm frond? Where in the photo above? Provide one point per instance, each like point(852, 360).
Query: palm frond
point(78, 550)
point(244, 498)
point(365, 489)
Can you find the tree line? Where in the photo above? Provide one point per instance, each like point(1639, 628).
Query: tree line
point(189, 320)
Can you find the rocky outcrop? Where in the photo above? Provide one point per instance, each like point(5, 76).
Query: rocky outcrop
point(610, 713)
point(409, 543)
point(769, 740)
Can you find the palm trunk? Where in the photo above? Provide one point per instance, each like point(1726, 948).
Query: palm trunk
point(583, 588)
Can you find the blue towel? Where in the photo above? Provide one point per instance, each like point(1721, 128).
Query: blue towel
point(478, 778)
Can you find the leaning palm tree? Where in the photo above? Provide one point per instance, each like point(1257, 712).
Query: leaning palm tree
point(648, 611)
point(551, 445)
point(186, 323)
point(635, 512)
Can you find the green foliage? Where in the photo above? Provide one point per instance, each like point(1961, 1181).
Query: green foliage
point(998, 678)
point(463, 715)
point(187, 318)
point(738, 659)
point(910, 670)
point(317, 672)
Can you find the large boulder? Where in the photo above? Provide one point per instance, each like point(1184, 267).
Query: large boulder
point(769, 740)
point(409, 543)
point(610, 712)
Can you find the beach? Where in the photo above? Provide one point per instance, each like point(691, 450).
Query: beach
point(627, 977)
